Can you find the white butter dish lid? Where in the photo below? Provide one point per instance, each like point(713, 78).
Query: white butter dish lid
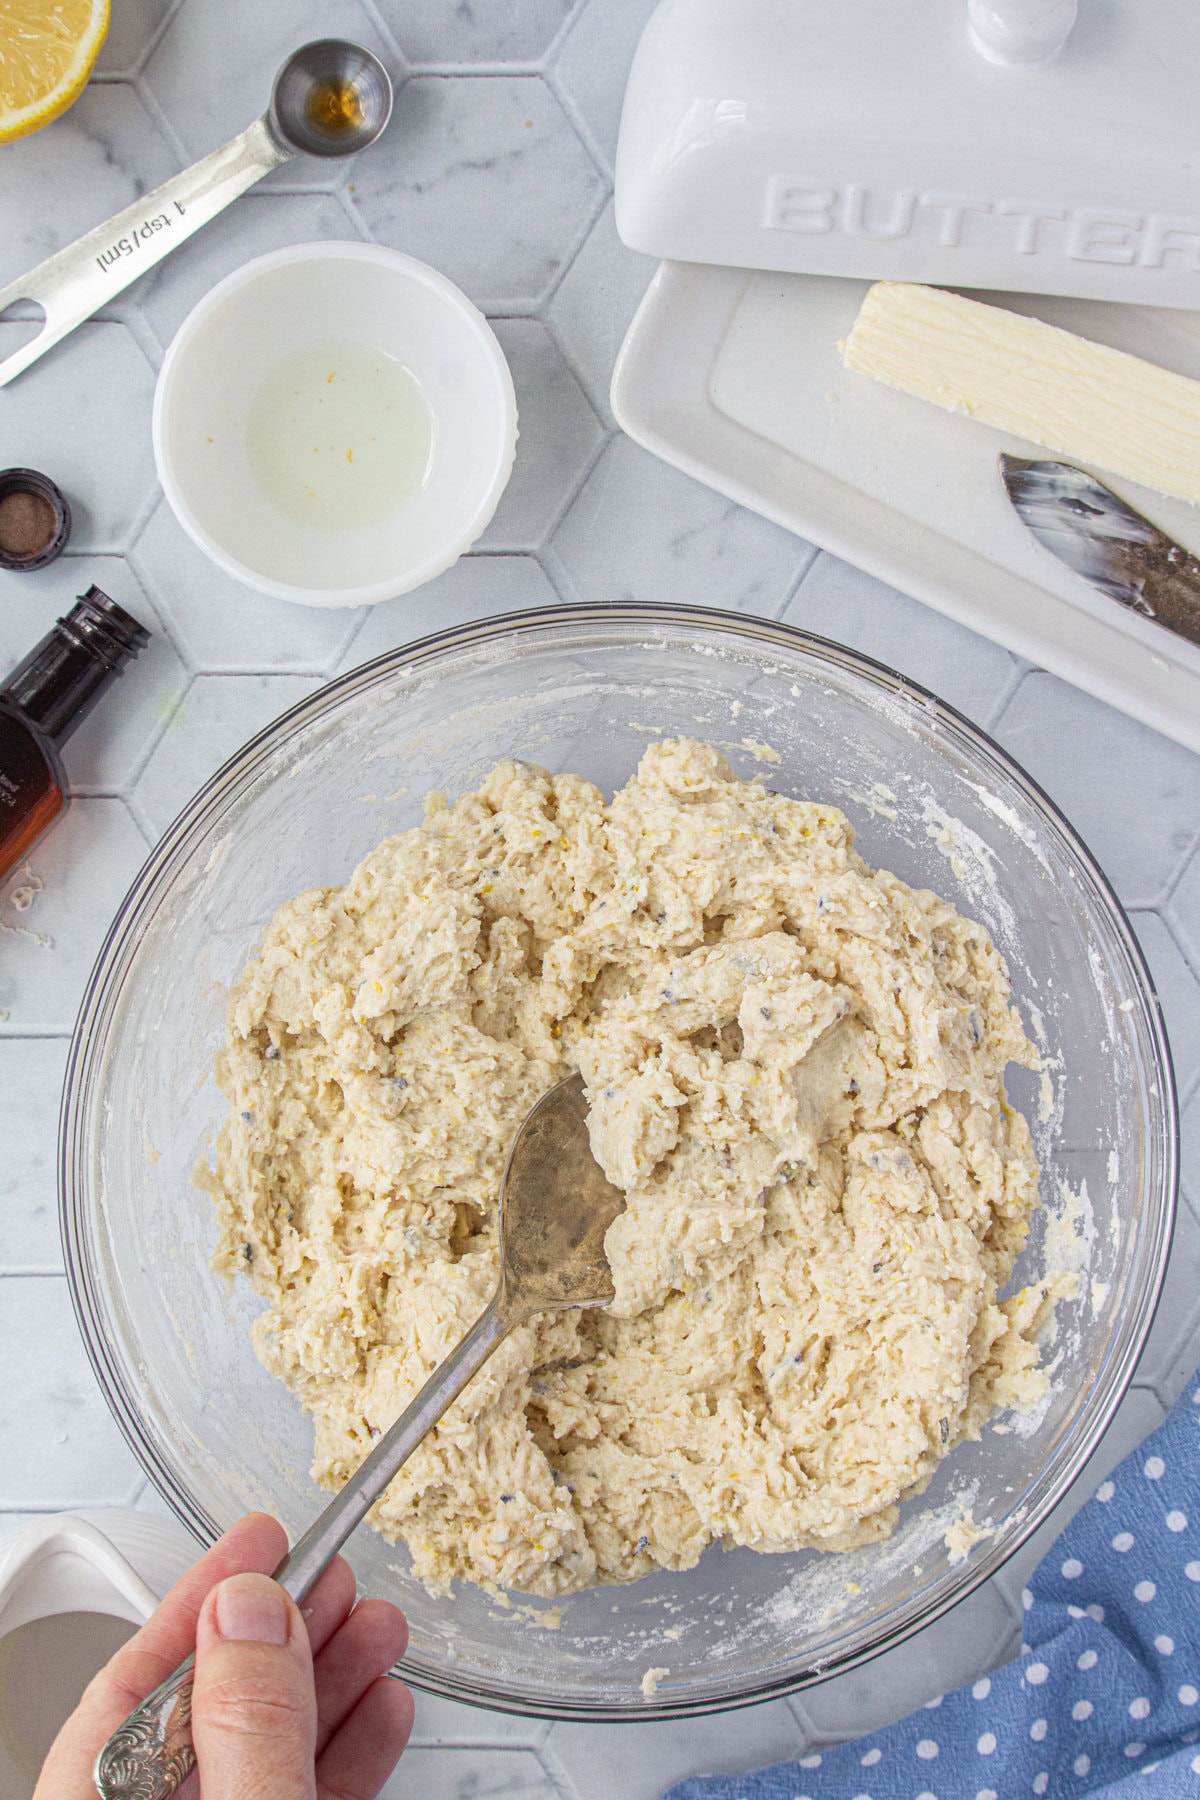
point(1003, 144)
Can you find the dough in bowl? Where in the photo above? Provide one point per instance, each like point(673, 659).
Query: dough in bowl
point(795, 1069)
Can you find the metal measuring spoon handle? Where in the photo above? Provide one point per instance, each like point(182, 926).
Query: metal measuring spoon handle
point(74, 283)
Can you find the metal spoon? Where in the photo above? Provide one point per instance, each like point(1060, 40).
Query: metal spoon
point(330, 98)
point(555, 1207)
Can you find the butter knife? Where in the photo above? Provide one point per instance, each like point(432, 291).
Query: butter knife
point(1094, 532)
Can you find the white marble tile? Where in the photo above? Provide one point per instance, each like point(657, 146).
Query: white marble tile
point(593, 62)
point(1173, 1348)
point(106, 751)
point(1131, 794)
point(81, 415)
point(218, 714)
point(257, 223)
point(559, 437)
point(1177, 981)
point(638, 1761)
point(58, 183)
point(486, 179)
point(58, 1445)
point(475, 588)
point(85, 864)
point(473, 1775)
point(1183, 909)
point(212, 78)
point(31, 1078)
point(1190, 1126)
point(642, 531)
point(474, 31)
point(223, 627)
point(133, 27)
point(839, 602)
point(594, 303)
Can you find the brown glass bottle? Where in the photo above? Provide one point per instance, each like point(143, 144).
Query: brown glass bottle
point(43, 700)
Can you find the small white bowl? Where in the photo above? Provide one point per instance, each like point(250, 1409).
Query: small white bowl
point(277, 308)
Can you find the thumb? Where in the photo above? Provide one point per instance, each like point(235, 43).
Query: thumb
point(254, 1712)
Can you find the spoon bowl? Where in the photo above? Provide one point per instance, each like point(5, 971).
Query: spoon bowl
point(330, 98)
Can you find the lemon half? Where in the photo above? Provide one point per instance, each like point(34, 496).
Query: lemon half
point(47, 51)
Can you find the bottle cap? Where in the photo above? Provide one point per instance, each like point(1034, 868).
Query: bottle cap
point(35, 520)
point(64, 675)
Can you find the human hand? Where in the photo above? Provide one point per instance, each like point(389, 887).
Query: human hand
point(287, 1705)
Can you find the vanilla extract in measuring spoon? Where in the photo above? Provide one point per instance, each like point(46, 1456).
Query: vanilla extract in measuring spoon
point(340, 435)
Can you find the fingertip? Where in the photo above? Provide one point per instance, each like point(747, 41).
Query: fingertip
point(249, 1608)
point(339, 1578)
point(387, 1623)
point(397, 1704)
point(362, 1753)
point(254, 1716)
point(258, 1541)
point(329, 1601)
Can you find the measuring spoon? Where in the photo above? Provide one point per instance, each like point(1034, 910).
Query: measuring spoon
point(330, 98)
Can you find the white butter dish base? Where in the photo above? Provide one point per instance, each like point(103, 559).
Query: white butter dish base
point(735, 377)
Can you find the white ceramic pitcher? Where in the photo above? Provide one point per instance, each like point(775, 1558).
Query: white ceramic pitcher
point(73, 1587)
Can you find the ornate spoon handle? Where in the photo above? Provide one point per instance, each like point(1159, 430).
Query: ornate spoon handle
point(150, 1756)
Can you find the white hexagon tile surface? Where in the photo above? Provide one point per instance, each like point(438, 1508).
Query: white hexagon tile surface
point(497, 168)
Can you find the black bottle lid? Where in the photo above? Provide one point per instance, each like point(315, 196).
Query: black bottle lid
point(35, 520)
point(61, 679)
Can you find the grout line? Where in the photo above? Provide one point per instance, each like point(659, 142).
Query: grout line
point(558, 575)
point(579, 124)
point(554, 48)
point(806, 564)
point(40, 1509)
point(572, 252)
point(159, 118)
point(1016, 682)
point(1007, 693)
point(150, 833)
point(1192, 853)
point(582, 478)
point(392, 42)
point(604, 418)
point(155, 38)
point(138, 326)
point(358, 225)
point(522, 69)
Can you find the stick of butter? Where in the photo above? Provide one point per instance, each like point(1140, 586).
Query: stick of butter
point(1085, 401)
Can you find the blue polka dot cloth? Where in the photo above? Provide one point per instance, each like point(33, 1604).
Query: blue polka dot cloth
point(1104, 1698)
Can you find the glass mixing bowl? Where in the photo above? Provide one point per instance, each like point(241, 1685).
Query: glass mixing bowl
point(586, 689)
